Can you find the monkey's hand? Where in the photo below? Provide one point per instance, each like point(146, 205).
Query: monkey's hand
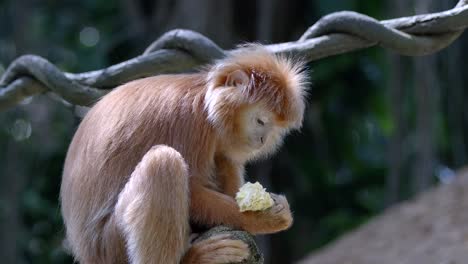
point(274, 219)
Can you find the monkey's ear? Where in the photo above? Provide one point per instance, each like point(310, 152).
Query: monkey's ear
point(237, 78)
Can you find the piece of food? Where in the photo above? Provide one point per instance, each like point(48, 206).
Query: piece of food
point(253, 197)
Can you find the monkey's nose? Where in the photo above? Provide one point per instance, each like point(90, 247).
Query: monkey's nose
point(261, 139)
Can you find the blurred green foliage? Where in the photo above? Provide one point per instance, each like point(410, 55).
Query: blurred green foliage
point(342, 164)
point(336, 166)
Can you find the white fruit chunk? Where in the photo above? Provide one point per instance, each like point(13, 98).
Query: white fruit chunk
point(253, 197)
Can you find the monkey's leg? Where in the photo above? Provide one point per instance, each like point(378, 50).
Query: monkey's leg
point(153, 208)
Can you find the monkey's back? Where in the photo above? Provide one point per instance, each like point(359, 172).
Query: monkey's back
point(115, 135)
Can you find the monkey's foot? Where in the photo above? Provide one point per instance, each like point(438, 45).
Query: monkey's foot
point(218, 249)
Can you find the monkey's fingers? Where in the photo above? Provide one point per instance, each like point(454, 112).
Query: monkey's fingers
point(280, 203)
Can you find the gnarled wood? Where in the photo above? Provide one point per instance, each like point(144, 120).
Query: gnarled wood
point(183, 50)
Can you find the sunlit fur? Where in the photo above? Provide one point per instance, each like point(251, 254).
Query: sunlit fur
point(160, 150)
point(276, 83)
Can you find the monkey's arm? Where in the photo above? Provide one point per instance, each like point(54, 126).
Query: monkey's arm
point(210, 207)
point(229, 175)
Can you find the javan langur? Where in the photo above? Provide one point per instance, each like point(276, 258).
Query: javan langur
point(158, 152)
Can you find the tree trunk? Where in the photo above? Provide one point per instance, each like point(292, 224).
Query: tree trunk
point(426, 92)
point(398, 99)
point(11, 228)
point(212, 18)
point(455, 94)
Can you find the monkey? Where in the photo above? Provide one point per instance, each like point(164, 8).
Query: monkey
point(159, 152)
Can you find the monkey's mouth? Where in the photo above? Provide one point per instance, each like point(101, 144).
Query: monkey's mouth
point(258, 143)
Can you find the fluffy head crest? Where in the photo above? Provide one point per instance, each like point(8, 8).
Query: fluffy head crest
point(253, 75)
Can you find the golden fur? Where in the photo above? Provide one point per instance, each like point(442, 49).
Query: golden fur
point(160, 150)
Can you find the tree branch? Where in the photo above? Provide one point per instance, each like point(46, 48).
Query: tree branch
point(183, 50)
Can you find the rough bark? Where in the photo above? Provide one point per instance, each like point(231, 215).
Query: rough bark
point(429, 229)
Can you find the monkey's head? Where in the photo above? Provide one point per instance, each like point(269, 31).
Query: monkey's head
point(254, 98)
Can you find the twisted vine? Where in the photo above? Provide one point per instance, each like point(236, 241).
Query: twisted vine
point(182, 50)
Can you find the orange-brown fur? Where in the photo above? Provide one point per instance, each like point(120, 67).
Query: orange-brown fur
point(154, 152)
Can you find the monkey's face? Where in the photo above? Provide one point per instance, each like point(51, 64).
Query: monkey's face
point(260, 131)
point(258, 127)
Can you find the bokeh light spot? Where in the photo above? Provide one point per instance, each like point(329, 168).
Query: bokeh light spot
point(446, 175)
point(89, 36)
point(21, 130)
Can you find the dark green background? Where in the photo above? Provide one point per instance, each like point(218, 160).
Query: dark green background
point(368, 113)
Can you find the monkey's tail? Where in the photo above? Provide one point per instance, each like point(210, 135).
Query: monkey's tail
point(153, 208)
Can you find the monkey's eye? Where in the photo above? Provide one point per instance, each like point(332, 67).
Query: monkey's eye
point(260, 122)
